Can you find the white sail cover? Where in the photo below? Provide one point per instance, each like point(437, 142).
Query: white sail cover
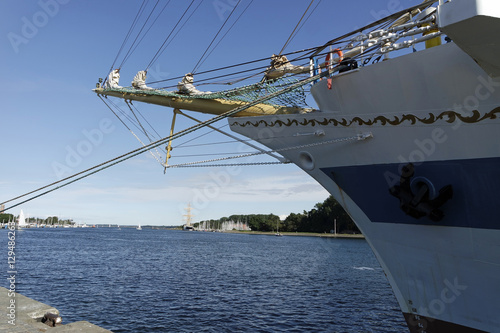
point(113, 79)
point(186, 86)
point(139, 81)
point(280, 65)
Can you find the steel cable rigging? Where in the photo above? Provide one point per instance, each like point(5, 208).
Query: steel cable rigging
point(144, 35)
point(292, 34)
point(107, 164)
point(240, 64)
point(303, 23)
point(230, 28)
point(213, 39)
point(163, 47)
point(139, 37)
point(177, 32)
point(132, 26)
point(139, 126)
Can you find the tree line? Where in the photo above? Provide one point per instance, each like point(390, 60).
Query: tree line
point(320, 219)
point(6, 217)
point(51, 220)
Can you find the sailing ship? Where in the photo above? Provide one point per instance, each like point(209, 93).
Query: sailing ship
point(188, 218)
point(406, 142)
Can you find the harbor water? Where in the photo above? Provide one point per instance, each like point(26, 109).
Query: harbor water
point(127, 280)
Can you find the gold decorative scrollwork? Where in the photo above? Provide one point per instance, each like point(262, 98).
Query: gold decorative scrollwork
point(448, 116)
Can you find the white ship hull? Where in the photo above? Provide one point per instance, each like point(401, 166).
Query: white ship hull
point(438, 110)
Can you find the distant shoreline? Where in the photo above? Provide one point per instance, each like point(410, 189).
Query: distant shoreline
point(306, 234)
point(268, 233)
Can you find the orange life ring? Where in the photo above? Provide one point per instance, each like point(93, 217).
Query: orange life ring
point(328, 56)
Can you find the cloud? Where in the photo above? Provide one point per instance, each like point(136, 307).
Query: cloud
point(285, 187)
point(125, 198)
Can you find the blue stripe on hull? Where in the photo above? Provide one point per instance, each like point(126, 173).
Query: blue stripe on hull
point(476, 191)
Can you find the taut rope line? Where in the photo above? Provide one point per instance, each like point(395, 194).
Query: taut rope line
point(102, 166)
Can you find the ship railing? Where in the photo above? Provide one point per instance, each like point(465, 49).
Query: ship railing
point(379, 40)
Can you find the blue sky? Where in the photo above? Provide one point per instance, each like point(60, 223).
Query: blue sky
point(53, 52)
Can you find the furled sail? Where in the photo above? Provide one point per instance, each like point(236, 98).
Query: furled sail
point(113, 79)
point(280, 66)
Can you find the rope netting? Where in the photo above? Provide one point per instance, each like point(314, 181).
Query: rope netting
point(248, 93)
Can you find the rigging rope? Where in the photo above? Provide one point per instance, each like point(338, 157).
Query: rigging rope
point(124, 114)
point(197, 137)
point(210, 143)
point(157, 134)
point(230, 28)
point(144, 35)
point(132, 26)
point(158, 155)
point(138, 34)
point(240, 64)
point(382, 21)
point(160, 51)
point(308, 17)
point(138, 139)
point(351, 138)
point(107, 164)
point(208, 154)
point(179, 30)
point(262, 70)
point(138, 121)
point(291, 35)
point(217, 34)
point(228, 164)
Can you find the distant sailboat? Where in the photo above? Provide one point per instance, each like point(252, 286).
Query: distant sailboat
point(21, 222)
point(139, 227)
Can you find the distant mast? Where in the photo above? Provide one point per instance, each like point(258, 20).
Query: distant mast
point(188, 217)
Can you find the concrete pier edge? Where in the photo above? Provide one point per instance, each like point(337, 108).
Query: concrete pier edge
point(23, 314)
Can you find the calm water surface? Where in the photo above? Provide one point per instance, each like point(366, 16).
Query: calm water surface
point(174, 281)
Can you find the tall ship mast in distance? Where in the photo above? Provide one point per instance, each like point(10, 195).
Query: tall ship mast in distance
point(188, 218)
